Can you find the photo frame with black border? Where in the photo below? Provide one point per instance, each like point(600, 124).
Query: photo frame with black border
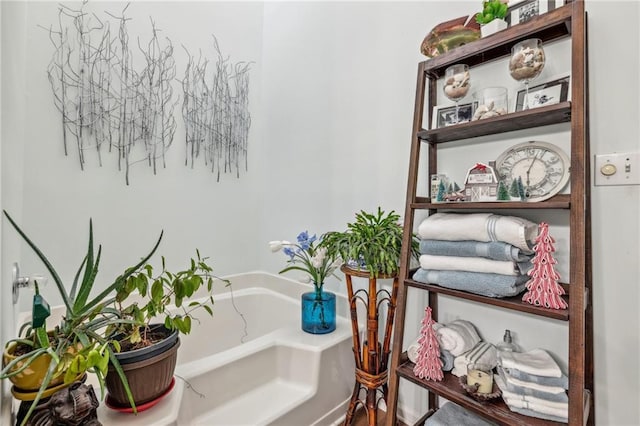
point(444, 115)
point(549, 93)
point(522, 11)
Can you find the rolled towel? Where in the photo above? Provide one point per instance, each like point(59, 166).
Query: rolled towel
point(447, 360)
point(412, 351)
point(484, 227)
point(536, 405)
point(490, 285)
point(451, 414)
point(535, 361)
point(550, 393)
point(457, 337)
point(469, 264)
point(483, 353)
point(445, 356)
point(495, 250)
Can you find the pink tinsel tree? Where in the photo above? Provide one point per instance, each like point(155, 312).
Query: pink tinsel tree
point(428, 364)
point(543, 288)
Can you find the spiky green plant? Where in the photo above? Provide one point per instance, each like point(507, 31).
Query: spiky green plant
point(374, 240)
point(76, 345)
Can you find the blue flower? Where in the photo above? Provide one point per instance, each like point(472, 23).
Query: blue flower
point(289, 252)
point(305, 241)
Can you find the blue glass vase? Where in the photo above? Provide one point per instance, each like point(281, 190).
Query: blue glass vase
point(318, 312)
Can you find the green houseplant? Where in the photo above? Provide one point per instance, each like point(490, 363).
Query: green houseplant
point(491, 19)
point(372, 243)
point(94, 330)
point(159, 308)
point(74, 346)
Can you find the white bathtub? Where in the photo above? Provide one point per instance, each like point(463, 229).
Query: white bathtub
point(274, 375)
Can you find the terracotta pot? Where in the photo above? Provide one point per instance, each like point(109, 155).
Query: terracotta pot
point(148, 376)
point(30, 379)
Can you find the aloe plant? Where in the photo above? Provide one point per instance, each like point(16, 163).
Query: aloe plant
point(76, 345)
point(374, 240)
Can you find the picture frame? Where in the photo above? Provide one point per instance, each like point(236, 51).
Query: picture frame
point(549, 93)
point(444, 115)
point(521, 11)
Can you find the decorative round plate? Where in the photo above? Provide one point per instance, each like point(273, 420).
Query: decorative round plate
point(141, 407)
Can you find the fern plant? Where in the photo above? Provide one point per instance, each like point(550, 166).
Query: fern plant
point(373, 242)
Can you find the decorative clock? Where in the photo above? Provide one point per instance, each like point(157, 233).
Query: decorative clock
point(543, 168)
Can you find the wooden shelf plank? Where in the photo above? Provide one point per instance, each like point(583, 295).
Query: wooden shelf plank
point(560, 201)
point(514, 303)
point(450, 389)
point(547, 27)
point(536, 117)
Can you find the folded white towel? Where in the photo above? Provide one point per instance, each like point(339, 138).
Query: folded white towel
point(457, 337)
point(510, 380)
point(483, 352)
point(558, 409)
point(485, 227)
point(469, 264)
point(535, 361)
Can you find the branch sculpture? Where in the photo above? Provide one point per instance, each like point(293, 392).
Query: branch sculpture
point(105, 103)
point(215, 110)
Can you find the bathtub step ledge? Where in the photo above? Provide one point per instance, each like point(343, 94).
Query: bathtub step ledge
point(267, 403)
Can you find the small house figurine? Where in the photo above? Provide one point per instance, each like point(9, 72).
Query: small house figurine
point(481, 183)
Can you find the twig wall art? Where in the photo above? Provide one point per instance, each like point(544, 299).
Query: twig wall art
point(215, 109)
point(119, 100)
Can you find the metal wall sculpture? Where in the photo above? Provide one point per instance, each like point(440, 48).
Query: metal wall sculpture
point(215, 109)
point(119, 100)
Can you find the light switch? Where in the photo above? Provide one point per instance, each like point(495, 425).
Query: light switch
point(617, 169)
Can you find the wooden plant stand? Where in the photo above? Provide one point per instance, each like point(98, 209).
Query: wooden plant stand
point(372, 355)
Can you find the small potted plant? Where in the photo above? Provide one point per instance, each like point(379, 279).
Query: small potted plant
point(307, 256)
point(491, 19)
point(155, 309)
point(372, 243)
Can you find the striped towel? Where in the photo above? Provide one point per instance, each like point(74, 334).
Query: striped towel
point(483, 352)
point(485, 227)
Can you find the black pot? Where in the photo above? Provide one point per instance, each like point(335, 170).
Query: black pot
point(150, 351)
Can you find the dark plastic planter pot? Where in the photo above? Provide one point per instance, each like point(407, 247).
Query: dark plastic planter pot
point(149, 372)
point(150, 351)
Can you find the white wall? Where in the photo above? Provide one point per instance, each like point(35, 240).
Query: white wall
point(53, 199)
point(332, 102)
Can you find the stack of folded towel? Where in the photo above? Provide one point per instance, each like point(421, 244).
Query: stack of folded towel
point(451, 414)
point(481, 253)
point(533, 384)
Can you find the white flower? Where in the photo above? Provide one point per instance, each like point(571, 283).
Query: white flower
point(318, 259)
point(276, 246)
